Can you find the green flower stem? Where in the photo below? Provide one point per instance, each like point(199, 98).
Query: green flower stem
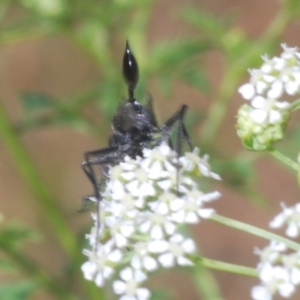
point(42, 277)
point(294, 105)
point(221, 266)
point(284, 159)
point(255, 231)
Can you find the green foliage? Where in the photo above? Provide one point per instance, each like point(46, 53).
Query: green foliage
point(180, 60)
point(17, 290)
point(36, 102)
point(293, 8)
point(211, 25)
point(15, 234)
point(98, 29)
point(161, 295)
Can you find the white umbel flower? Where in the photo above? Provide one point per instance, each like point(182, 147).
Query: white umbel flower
point(144, 203)
point(262, 121)
point(279, 267)
point(275, 280)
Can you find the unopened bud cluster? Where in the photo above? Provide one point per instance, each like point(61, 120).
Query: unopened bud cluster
point(262, 122)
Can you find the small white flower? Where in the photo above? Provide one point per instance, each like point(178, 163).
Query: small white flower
point(247, 90)
point(142, 260)
point(157, 161)
point(120, 230)
point(266, 110)
point(157, 246)
point(276, 89)
point(190, 208)
point(290, 216)
point(157, 225)
point(115, 189)
point(260, 292)
point(139, 184)
point(295, 275)
point(129, 286)
point(98, 267)
point(271, 253)
point(163, 204)
point(276, 279)
point(192, 160)
point(176, 249)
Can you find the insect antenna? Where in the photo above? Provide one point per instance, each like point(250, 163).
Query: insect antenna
point(130, 71)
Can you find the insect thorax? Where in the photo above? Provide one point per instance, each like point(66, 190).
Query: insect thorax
point(133, 122)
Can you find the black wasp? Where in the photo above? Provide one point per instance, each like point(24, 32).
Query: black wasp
point(134, 128)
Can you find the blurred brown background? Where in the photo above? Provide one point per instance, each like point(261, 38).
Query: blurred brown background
point(57, 68)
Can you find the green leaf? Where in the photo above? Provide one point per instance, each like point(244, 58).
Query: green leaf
point(17, 290)
point(7, 266)
point(240, 170)
point(169, 56)
point(15, 233)
point(196, 78)
point(160, 294)
point(214, 25)
point(34, 102)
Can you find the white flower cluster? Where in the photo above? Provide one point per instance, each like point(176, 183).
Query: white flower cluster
point(268, 84)
point(279, 269)
point(263, 121)
point(289, 216)
point(144, 203)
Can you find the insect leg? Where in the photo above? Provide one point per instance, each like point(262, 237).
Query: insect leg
point(168, 128)
point(149, 105)
point(101, 158)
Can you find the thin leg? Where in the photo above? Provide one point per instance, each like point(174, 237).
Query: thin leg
point(168, 128)
point(101, 158)
point(149, 105)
